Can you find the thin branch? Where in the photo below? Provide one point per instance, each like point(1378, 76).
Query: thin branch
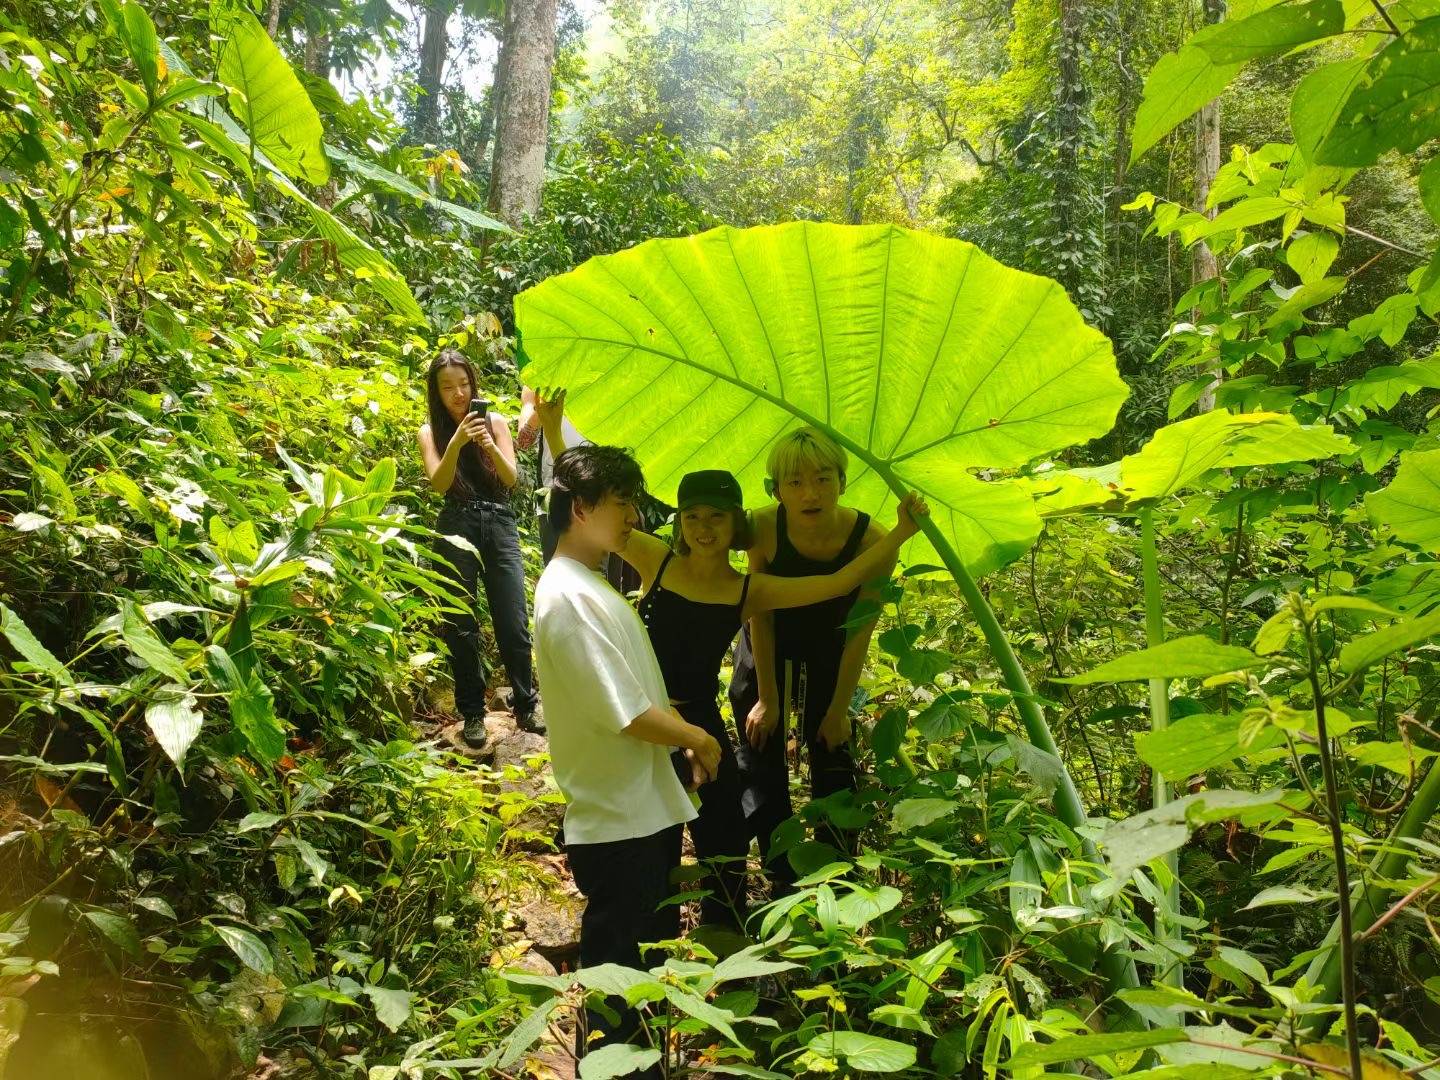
point(1386, 16)
point(1398, 906)
point(1385, 243)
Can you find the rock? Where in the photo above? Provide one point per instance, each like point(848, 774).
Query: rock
point(533, 963)
point(551, 920)
point(522, 760)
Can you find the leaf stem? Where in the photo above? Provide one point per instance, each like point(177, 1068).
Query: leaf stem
point(1337, 837)
point(1386, 16)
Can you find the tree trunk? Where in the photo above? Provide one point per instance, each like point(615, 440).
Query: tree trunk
point(272, 18)
point(1069, 101)
point(522, 109)
point(1207, 165)
point(317, 55)
point(434, 46)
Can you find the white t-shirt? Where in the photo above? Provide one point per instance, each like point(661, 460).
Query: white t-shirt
point(597, 673)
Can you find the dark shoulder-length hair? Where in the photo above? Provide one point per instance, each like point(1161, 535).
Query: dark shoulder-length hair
point(470, 470)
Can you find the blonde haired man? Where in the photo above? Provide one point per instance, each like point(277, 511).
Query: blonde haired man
point(802, 662)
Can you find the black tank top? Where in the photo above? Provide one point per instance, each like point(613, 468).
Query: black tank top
point(814, 631)
point(690, 637)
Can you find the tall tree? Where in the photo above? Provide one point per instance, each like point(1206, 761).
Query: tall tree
point(522, 109)
point(1206, 166)
point(434, 47)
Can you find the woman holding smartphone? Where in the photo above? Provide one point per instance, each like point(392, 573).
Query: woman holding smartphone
point(470, 459)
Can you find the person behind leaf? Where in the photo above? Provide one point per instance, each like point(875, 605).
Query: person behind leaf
point(611, 725)
point(801, 658)
point(693, 603)
point(470, 459)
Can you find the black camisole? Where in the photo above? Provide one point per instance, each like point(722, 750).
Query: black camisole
point(690, 637)
point(813, 631)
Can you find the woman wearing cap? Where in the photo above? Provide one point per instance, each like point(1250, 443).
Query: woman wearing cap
point(693, 604)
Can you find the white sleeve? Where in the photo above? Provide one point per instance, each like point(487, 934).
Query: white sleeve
point(598, 670)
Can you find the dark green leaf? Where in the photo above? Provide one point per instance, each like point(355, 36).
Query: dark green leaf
point(1396, 105)
point(1076, 1047)
point(1273, 31)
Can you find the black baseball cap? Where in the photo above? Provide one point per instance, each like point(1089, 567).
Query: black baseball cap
point(710, 487)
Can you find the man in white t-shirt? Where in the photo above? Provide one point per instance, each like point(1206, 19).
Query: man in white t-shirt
point(611, 725)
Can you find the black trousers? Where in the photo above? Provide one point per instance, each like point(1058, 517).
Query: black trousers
point(765, 773)
point(500, 570)
point(623, 882)
point(719, 833)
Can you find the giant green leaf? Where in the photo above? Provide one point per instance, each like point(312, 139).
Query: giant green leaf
point(1183, 657)
point(1395, 105)
point(269, 99)
point(1411, 503)
point(924, 357)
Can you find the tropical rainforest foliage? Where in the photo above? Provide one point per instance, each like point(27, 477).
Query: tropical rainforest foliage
point(1154, 708)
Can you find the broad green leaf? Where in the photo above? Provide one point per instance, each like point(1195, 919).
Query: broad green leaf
point(174, 720)
point(1132, 843)
point(245, 945)
point(746, 964)
point(1192, 656)
point(398, 184)
point(30, 649)
point(1307, 296)
point(1411, 503)
point(1179, 85)
point(258, 819)
point(1319, 100)
point(1244, 214)
point(1310, 255)
point(252, 708)
point(1372, 648)
point(269, 99)
point(119, 929)
point(1395, 106)
point(1195, 743)
point(1286, 894)
point(616, 1059)
point(144, 45)
point(524, 1034)
point(862, 1052)
point(911, 814)
point(693, 1005)
point(1273, 31)
point(1075, 1047)
point(157, 905)
point(392, 1007)
point(1179, 454)
point(922, 356)
point(1395, 756)
point(147, 645)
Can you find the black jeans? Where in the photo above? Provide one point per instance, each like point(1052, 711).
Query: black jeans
point(765, 774)
point(719, 833)
point(490, 527)
point(623, 882)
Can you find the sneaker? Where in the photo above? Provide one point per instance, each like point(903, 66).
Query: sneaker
point(530, 721)
point(474, 732)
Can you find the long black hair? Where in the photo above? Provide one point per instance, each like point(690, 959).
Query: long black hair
point(471, 476)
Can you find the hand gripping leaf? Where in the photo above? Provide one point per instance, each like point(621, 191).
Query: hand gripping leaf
point(926, 359)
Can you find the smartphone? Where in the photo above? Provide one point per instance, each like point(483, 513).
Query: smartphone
point(479, 406)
